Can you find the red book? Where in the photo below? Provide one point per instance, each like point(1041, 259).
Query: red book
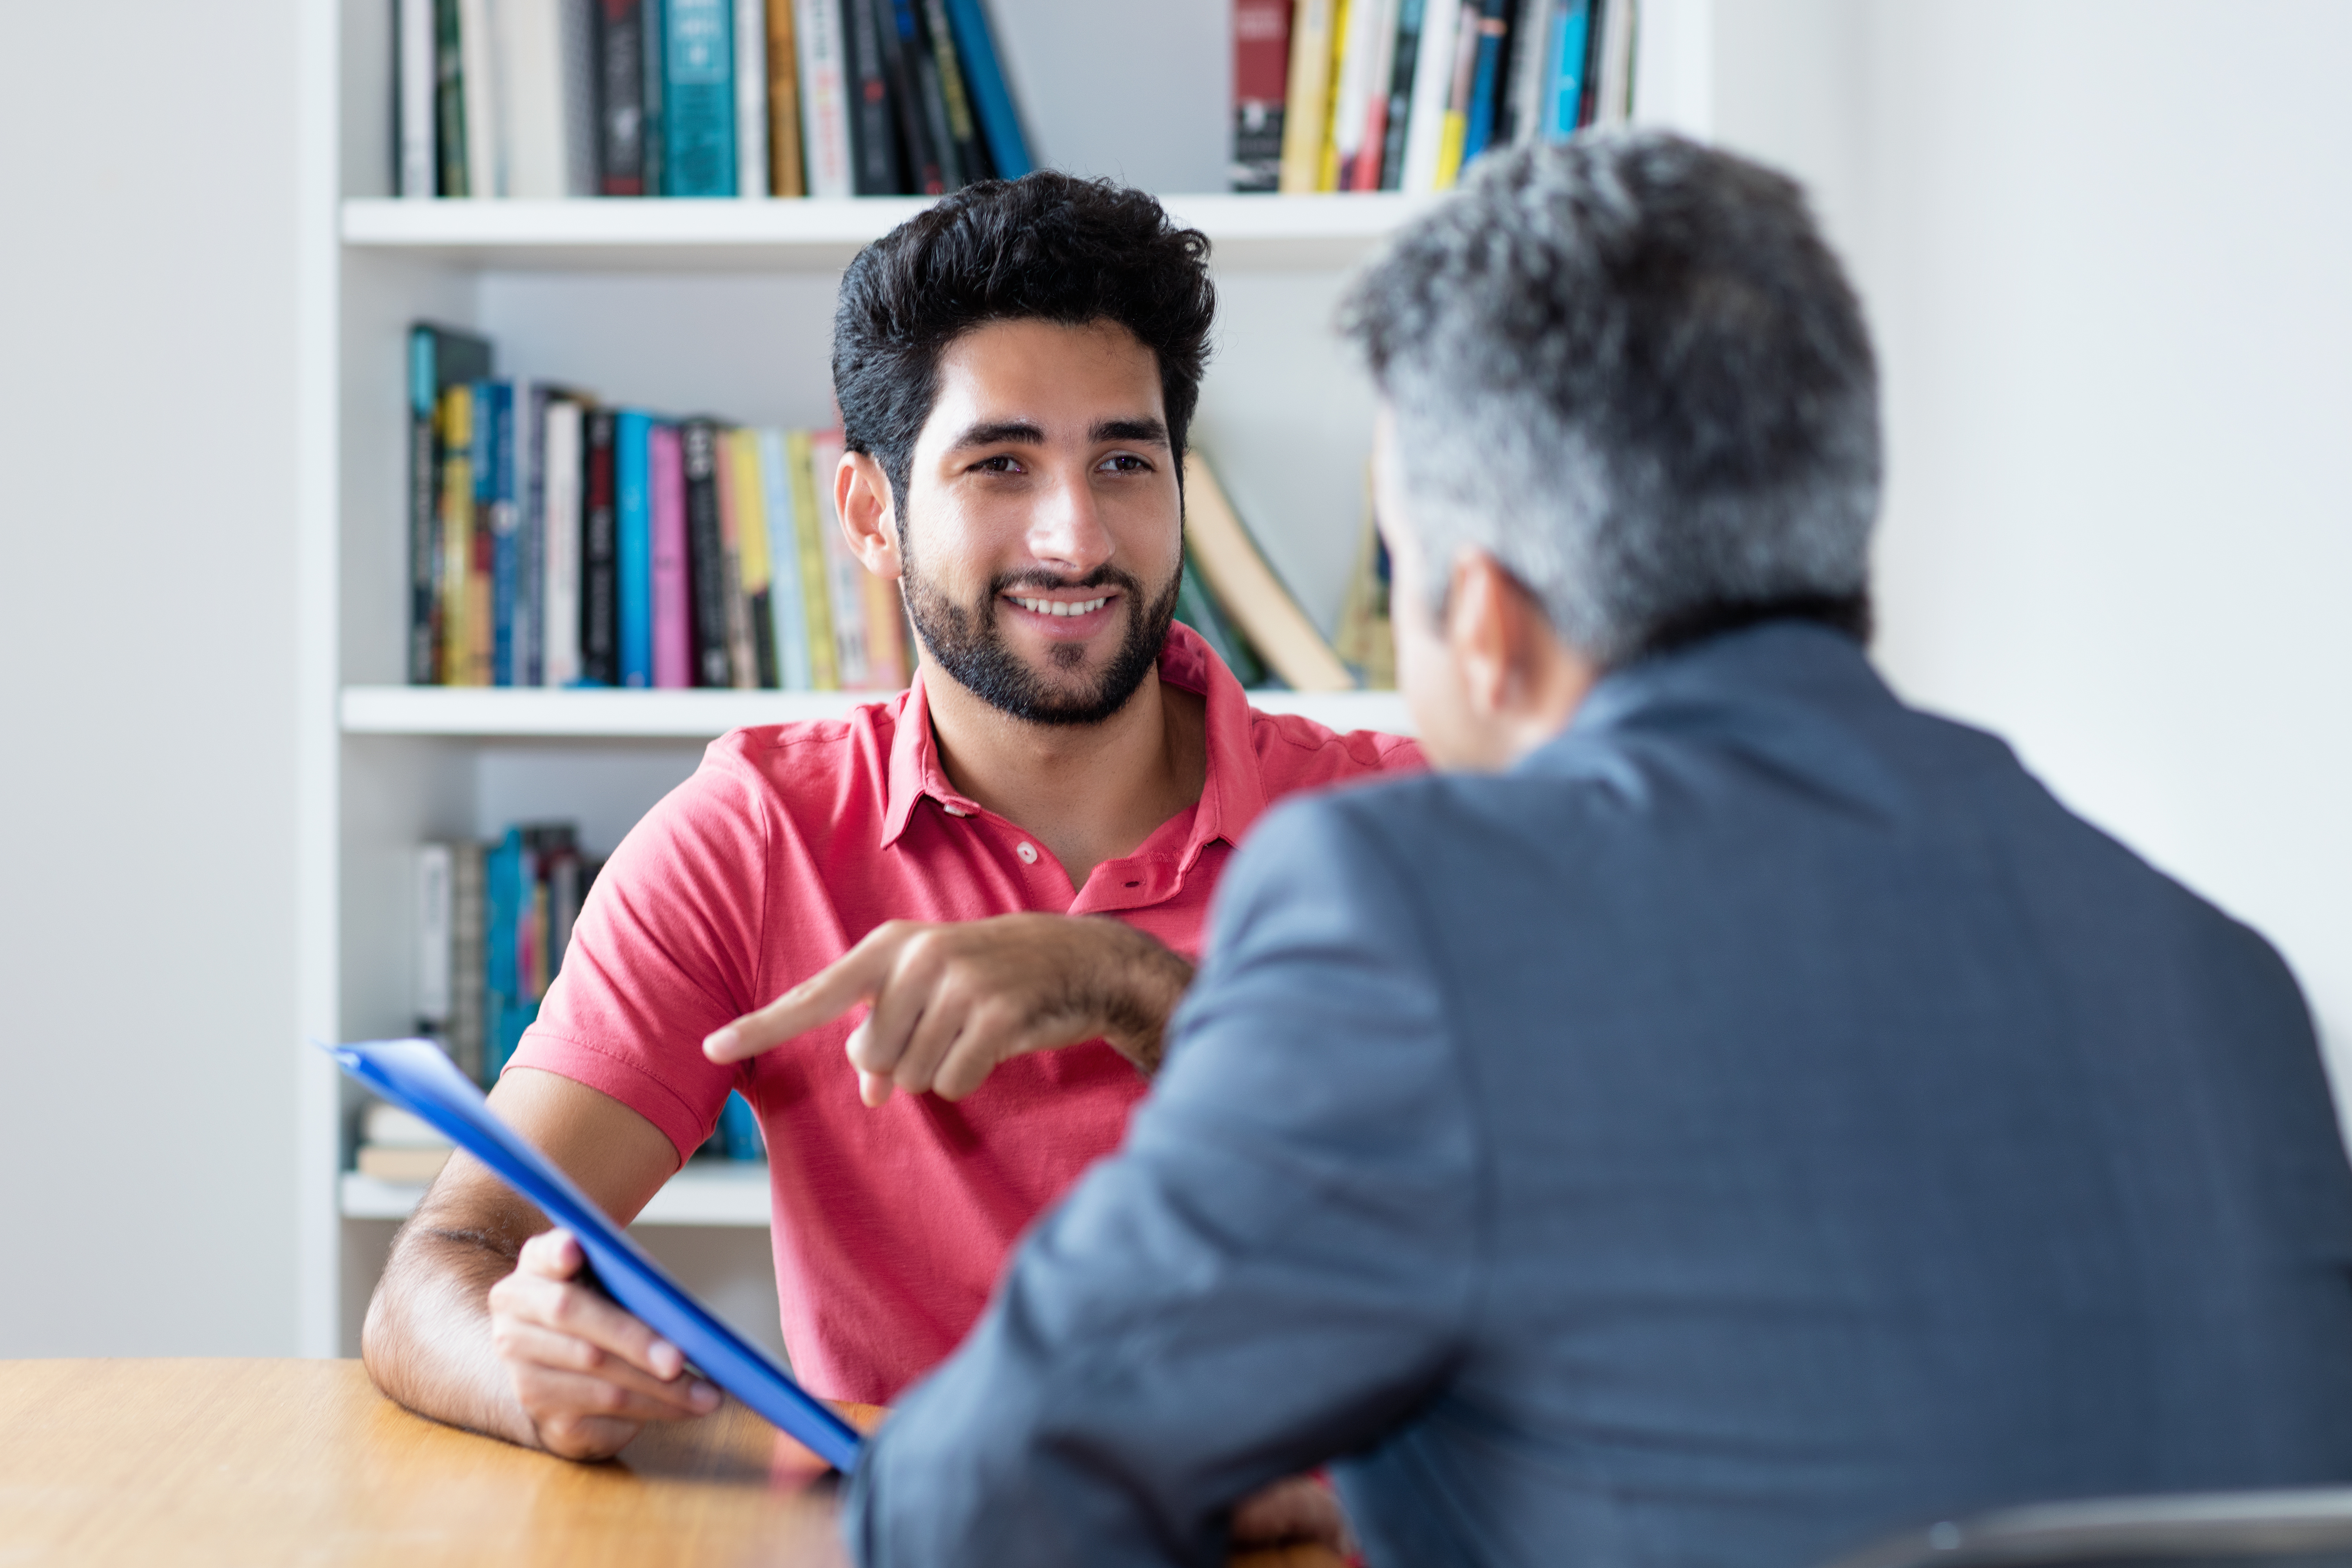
point(673, 624)
point(1261, 81)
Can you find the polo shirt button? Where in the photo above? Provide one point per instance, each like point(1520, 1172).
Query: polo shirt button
point(1027, 851)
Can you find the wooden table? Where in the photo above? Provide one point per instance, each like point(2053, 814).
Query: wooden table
point(249, 1464)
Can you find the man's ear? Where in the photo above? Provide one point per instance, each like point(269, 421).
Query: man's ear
point(862, 494)
point(1485, 632)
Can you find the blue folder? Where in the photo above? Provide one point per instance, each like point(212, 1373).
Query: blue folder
point(417, 1076)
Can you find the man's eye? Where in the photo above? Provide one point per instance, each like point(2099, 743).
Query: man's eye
point(1003, 463)
point(1126, 463)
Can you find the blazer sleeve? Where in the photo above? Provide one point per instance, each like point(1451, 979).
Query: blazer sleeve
point(1275, 1270)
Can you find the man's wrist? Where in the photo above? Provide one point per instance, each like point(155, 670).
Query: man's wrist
point(1140, 996)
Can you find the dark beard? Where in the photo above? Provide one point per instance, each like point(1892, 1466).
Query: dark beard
point(966, 642)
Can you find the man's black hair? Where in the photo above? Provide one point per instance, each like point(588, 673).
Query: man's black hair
point(1046, 247)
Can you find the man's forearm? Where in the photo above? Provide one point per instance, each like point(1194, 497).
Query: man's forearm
point(427, 1339)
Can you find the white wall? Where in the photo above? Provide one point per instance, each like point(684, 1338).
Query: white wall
point(147, 770)
point(2105, 247)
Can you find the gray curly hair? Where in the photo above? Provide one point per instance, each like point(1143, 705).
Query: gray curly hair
point(1629, 369)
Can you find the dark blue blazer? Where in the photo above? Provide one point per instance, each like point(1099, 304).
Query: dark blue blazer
point(1763, 1118)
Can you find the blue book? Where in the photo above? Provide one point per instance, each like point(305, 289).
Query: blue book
point(697, 97)
point(632, 495)
point(415, 1076)
point(787, 608)
point(992, 95)
point(495, 418)
point(1563, 102)
point(501, 978)
point(1481, 126)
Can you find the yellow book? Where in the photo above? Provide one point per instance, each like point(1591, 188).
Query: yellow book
point(808, 528)
point(738, 451)
point(1326, 160)
point(456, 418)
point(1252, 595)
point(1304, 109)
point(1449, 149)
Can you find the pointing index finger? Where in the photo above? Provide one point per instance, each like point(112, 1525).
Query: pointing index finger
point(850, 979)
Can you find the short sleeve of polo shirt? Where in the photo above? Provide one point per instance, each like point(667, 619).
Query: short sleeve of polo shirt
point(667, 948)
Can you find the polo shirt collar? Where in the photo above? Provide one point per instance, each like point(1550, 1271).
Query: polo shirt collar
point(1233, 795)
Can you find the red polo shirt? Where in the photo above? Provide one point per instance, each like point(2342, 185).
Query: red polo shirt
point(787, 845)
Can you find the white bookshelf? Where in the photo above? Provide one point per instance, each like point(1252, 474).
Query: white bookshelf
point(694, 306)
point(706, 1193)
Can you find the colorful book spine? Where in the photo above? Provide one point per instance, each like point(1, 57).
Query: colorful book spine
point(439, 357)
point(1480, 124)
point(787, 171)
point(600, 562)
point(1467, 39)
point(698, 99)
point(673, 609)
point(963, 123)
point(651, 133)
point(621, 99)
point(1305, 102)
point(482, 595)
point(1261, 76)
point(414, 89)
point(825, 98)
point(787, 608)
point(1327, 164)
point(531, 400)
point(1563, 100)
point(873, 118)
point(743, 511)
point(705, 555)
point(506, 564)
point(1433, 76)
point(448, 99)
point(1404, 67)
point(563, 575)
point(478, 81)
point(749, 39)
point(633, 489)
point(452, 614)
point(812, 516)
point(991, 92)
point(927, 98)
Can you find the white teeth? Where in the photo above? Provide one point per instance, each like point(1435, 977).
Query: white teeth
point(1061, 606)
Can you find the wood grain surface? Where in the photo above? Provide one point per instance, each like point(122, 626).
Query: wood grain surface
point(251, 1464)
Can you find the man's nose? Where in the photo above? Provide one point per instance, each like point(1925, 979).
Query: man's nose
point(1066, 530)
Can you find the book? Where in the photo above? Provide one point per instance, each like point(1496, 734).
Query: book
point(495, 501)
point(448, 100)
point(528, 645)
point(502, 1004)
point(1433, 76)
point(749, 35)
point(435, 912)
point(1478, 125)
point(1326, 159)
point(468, 917)
point(992, 92)
point(1535, 52)
point(1404, 70)
point(787, 608)
point(633, 492)
point(653, 91)
point(454, 489)
point(873, 118)
point(1261, 76)
point(621, 103)
point(672, 610)
point(1198, 608)
point(1469, 32)
point(562, 532)
point(1372, 29)
point(1612, 71)
point(600, 566)
point(390, 1127)
point(706, 608)
point(812, 507)
point(1305, 100)
point(439, 357)
point(786, 174)
point(697, 97)
point(962, 120)
point(477, 83)
point(919, 66)
point(901, 70)
point(414, 88)
point(825, 97)
point(743, 512)
point(547, 69)
point(1249, 590)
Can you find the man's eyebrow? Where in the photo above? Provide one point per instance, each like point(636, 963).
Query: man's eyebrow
point(996, 433)
point(1150, 431)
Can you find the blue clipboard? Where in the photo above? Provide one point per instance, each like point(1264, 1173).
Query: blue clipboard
point(417, 1076)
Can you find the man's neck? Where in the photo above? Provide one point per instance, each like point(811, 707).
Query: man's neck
point(1089, 793)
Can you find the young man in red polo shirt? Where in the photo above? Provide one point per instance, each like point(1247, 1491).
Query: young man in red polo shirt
point(1016, 368)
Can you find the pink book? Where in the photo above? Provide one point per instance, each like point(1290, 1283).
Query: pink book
point(673, 639)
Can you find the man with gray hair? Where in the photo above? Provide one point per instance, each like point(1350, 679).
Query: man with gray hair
point(1728, 1114)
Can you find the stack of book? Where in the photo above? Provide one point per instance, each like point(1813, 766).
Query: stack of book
point(555, 541)
point(493, 922)
point(547, 99)
point(1402, 95)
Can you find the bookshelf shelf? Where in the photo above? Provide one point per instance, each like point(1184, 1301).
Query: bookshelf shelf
point(1276, 233)
point(518, 713)
point(707, 1192)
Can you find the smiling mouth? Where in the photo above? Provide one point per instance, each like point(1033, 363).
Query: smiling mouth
point(1061, 606)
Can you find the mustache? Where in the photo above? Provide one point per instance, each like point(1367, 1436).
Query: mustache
point(1104, 576)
